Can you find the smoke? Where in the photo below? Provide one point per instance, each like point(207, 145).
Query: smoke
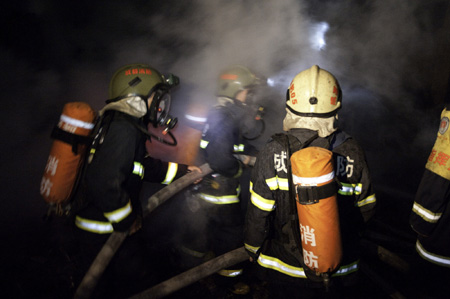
point(383, 54)
point(197, 40)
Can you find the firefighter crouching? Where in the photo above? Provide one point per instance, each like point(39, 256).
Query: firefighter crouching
point(313, 100)
point(109, 191)
point(215, 224)
point(430, 216)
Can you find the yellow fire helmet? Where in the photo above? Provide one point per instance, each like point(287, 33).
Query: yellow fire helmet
point(314, 92)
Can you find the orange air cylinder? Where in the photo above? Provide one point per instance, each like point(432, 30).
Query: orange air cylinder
point(63, 163)
point(319, 222)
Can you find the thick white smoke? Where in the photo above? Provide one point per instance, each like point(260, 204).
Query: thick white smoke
point(383, 53)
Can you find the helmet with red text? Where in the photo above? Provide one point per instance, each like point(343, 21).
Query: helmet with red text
point(144, 82)
point(314, 92)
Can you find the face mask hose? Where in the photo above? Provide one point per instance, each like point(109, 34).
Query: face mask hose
point(162, 140)
point(168, 123)
point(151, 136)
point(158, 115)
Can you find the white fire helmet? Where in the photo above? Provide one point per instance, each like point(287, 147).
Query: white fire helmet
point(314, 92)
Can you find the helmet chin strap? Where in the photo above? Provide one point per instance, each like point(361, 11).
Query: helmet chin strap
point(147, 118)
point(239, 103)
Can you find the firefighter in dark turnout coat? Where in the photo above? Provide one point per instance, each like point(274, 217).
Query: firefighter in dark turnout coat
point(430, 216)
point(313, 100)
point(221, 145)
point(139, 95)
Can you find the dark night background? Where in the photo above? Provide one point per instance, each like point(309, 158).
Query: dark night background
point(390, 57)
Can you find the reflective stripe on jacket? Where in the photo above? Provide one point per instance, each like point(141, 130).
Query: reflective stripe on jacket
point(113, 179)
point(282, 267)
point(104, 227)
point(430, 215)
point(171, 173)
point(270, 203)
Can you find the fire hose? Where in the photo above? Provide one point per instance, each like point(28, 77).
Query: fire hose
point(116, 239)
point(173, 284)
point(239, 255)
point(186, 278)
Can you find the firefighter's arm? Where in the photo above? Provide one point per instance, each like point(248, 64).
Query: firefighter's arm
point(433, 192)
point(430, 202)
point(112, 165)
point(261, 204)
point(255, 223)
point(158, 171)
point(248, 157)
point(219, 150)
point(367, 200)
point(363, 188)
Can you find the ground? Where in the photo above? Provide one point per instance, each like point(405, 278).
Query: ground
point(38, 265)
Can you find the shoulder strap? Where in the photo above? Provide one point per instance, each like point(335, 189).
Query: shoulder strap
point(291, 144)
point(75, 202)
point(288, 140)
point(70, 138)
point(338, 138)
point(98, 134)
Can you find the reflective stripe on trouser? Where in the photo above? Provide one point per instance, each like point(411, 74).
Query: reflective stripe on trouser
point(98, 227)
point(440, 260)
point(192, 252)
point(119, 214)
point(280, 266)
point(220, 200)
point(230, 273)
point(104, 227)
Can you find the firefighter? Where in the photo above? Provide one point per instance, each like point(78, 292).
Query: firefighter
point(312, 103)
point(430, 216)
point(138, 96)
point(217, 207)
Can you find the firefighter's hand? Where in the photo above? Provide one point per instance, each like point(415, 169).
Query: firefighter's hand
point(247, 160)
point(195, 168)
point(137, 225)
point(252, 256)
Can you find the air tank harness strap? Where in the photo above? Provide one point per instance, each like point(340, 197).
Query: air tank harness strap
point(292, 196)
point(292, 144)
point(309, 194)
point(312, 194)
point(70, 138)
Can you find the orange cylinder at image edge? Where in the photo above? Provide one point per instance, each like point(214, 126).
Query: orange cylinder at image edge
point(319, 222)
point(62, 165)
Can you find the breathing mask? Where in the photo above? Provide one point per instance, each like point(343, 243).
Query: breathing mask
point(158, 113)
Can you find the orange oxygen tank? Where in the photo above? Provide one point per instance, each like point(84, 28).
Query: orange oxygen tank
point(312, 169)
point(66, 154)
